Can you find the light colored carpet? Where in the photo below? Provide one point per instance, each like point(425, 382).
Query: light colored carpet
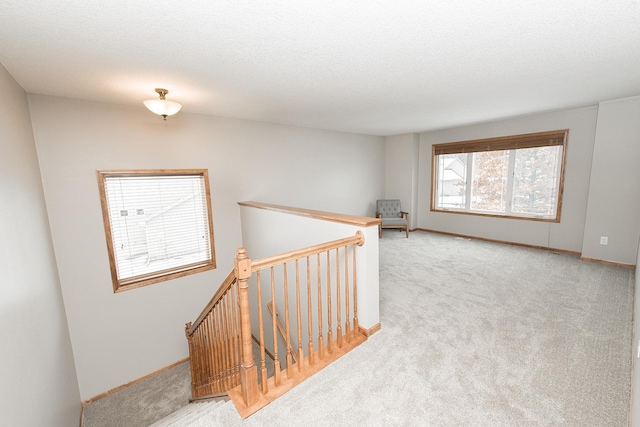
point(475, 334)
point(142, 403)
point(159, 397)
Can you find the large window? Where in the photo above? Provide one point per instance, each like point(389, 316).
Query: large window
point(158, 225)
point(518, 176)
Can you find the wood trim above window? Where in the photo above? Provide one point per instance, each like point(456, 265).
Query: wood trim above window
point(529, 140)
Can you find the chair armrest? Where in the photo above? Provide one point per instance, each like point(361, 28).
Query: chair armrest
point(378, 215)
point(404, 214)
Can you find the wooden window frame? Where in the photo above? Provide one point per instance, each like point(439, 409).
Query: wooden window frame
point(512, 142)
point(120, 285)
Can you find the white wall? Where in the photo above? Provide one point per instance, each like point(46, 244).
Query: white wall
point(120, 337)
point(38, 383)
point(568, 234)
point(635, 360)
point(614, 193)
point(401, 172)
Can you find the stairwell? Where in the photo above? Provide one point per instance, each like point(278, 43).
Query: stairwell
point(195, 414)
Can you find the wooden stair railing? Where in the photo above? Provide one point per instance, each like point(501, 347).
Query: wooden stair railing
point(324, 314)
point(214, 344)
point(282, 332)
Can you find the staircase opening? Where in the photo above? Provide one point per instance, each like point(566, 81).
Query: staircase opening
point(276, 321)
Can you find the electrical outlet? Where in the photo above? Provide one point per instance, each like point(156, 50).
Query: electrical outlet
point(604, 240)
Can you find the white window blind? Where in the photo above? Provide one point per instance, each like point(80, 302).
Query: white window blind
point(159, 224)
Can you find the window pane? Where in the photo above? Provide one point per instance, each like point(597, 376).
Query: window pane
point(518, 176)
point(452, 177)
point(535, 185)
point(489, 186)
point(157, 222)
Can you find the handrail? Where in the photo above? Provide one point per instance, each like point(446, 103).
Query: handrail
point(272, 261)
point(224, 287)
point(221, 339)
point(358, 221)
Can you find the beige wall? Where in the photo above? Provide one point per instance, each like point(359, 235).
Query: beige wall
point(38, 383)
point(614, 192)
point(120, 337)
point(568, 234)
point(401, 172)
point(602, 181)
point(635, 350)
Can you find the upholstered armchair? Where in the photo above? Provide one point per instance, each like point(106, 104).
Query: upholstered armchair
point(392, 216)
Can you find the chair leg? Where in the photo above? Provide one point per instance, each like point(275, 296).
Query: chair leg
point(379, 231)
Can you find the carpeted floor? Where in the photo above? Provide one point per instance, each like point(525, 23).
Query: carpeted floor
point(475, 334)
point(142, 403)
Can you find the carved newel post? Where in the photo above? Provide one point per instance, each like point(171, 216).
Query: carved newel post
point(248, 370)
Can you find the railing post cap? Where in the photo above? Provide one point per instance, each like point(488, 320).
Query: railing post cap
point(242, 264)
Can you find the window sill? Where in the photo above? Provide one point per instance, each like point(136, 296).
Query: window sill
point(498, 215)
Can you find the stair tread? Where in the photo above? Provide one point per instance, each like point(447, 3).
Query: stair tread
point(189, 413)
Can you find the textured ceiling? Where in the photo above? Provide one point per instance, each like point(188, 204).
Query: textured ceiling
point(376, 67)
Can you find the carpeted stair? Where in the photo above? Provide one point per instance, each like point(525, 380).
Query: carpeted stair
point(190, 414)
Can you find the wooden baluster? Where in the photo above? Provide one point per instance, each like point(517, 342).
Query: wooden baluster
point(220, 348)
point(219, 331)
point(287, 323)
point(263, 364)
point(202, 371)
point(210, 337)
point(208, 333)
point(206, 337)
point(347, 331)
point(309, 315)
point(202, 361)
point(276, 362)
point(192, 359)
point(329, 326)
point(231, 338)
point(338, 309)
point(202, 356)
point(207, 349)
point(228, 338)
point(249, 371)
point(211, 334)
point(236, 334)
point(195, 362)
point(320, 334)
point(355, 293)
point(224, 335)
point(299, 318)
point(223, 345)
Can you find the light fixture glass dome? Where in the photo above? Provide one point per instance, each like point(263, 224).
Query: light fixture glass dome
point(162, 107)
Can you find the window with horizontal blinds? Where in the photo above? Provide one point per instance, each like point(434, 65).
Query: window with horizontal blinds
point(518, 176)
point(530, 140)
point(158, 225)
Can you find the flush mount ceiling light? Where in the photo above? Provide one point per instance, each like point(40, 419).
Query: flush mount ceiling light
point(161, 106)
